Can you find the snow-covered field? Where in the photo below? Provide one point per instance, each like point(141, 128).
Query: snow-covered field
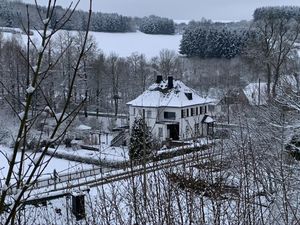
point(122, 44)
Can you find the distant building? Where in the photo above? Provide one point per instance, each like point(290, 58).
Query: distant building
point(256, 93)
point(252, 94)
point(173, 111)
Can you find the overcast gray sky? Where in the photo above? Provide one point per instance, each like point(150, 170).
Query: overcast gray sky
point(180, 9)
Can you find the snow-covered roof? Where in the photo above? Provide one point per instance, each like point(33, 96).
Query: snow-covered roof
point(254, 96)
point(159, 95)
point(288, 81)
point(208, 119)
point(83, 127)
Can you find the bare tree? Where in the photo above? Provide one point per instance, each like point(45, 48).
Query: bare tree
point(276, 34)
point(167, 59)
point(38, 72)
point(113, 72)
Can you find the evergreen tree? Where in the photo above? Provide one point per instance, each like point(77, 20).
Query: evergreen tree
point(157, 25)
point(207, 42)
point(140, 140)
point(111, 22)
point(6, 14)
point(12, 12)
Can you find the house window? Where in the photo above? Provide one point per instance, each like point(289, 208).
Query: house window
point(134, 111)
point(140, 112)
point(183, 113)
point(187, 112)
point(201, 110)
point(186, 130)
point(197, 128)
point(160, 132)
point(170, 115)
point(205, 109)
point(210, 128)
point(197, 111)
point(189, 96)
point(192, 111)
point(149, 114)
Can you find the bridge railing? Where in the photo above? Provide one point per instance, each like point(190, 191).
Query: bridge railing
point(62, 178)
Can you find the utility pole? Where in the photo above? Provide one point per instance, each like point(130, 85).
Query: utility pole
point(144, 159)
point(100, 150)
point(259, 92)
point(86, 89)
point(228, 108)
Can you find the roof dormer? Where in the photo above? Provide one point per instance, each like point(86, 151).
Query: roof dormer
point(189, 95)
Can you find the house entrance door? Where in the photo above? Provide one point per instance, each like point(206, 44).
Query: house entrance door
point(173, 130)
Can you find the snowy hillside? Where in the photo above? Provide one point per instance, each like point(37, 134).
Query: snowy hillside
point(123, 44)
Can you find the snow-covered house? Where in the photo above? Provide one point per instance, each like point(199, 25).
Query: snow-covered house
point(256, 93)
point(172, 110)
point(252, 94)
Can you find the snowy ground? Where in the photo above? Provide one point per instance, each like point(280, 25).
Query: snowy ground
point(105, 153)
point(108, 153)
point(122, 44)
point(60, 165)
point(64, 166)
point(113, 203)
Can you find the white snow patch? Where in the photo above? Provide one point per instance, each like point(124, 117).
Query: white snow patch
point(4, 187)
point(46, 21)
point(83, 127)
point(9, 156)
point(182, 21)
point(21, 115)
point(47, 109)
point(34, 68)
point(30, 89)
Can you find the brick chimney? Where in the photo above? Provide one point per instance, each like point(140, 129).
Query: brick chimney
point(170, 82)
point(159, 79)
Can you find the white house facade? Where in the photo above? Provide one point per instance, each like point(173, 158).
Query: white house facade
point(172, 111)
